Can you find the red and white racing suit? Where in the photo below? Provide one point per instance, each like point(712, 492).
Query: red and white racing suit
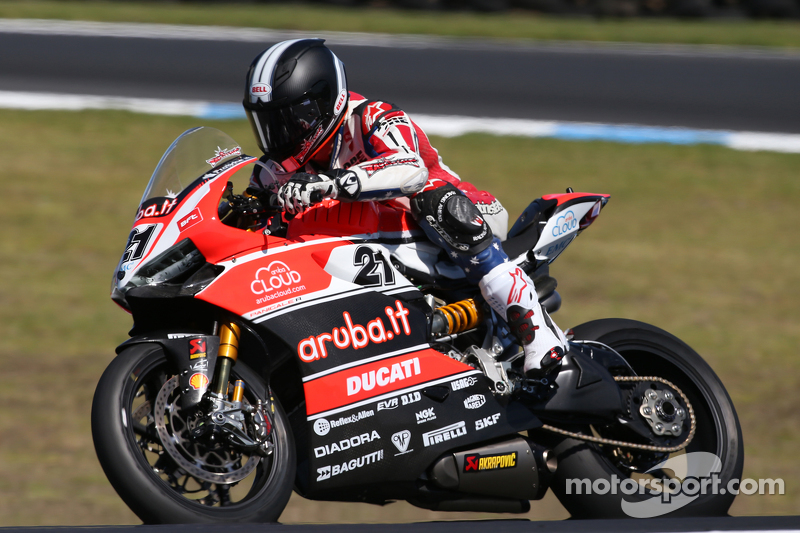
point(392, 157)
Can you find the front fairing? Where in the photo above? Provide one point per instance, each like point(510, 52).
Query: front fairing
point(168, 237)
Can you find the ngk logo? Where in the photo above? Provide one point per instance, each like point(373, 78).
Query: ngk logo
point(273, 277)
point(190, 220)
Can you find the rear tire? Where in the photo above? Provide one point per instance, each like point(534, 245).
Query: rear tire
point(141, 470)
point(651, 351)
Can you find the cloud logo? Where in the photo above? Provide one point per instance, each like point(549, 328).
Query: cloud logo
point(565, 223)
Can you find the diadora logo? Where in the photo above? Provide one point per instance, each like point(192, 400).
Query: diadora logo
point(426, 415)
point(463, 383)
point(190, 220)
point(345, 444)
point(384, 376)
point(356, 335)
point(477, 463)
point(483, 423)
point(453, 431)
point(273, 277)
point(222, 153)
point(565, 223)
point(475, 401)
point(260, 89)
point(401, 440)
point(327, 472)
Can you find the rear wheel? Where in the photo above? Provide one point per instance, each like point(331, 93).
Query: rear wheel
point(653, 352)
point(142, 439)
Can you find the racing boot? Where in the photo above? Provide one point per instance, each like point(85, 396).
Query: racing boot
point(510, 292)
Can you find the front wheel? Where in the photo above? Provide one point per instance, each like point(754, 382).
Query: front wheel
point(144, 444)
point(653, 352)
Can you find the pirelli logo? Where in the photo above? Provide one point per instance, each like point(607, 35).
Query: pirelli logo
point(480, 463)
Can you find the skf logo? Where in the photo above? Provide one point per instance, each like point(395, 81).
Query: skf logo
point(190, 220)
point(477, 463)
point(197, 348)
point(483, 423)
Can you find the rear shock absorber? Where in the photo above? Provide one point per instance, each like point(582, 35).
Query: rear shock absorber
point(229, 335)
point(456, 317)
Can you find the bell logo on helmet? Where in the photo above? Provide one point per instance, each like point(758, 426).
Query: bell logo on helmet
point(260, 90)
point(340, 102)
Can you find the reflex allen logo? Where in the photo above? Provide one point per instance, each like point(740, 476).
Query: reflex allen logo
point(356, 335)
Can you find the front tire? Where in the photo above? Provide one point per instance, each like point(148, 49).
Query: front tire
point(150, 481)
point(651, 351)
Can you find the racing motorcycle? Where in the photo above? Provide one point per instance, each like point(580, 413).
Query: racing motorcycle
point(339, 354)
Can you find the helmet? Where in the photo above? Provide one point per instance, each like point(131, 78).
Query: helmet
point(295, 98)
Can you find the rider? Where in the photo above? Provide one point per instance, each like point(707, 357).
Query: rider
point(321, 141)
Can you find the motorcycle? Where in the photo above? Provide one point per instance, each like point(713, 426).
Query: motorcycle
point(339, 354)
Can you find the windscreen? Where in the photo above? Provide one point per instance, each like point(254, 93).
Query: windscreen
point(192, 154)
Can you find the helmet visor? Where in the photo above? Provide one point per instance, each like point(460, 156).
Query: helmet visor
point(281, 127)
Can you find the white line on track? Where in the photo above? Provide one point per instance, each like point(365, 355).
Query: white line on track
point(227, 33)
point(442, 125)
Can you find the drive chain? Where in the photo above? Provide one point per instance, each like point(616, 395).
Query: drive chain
point(623, 444)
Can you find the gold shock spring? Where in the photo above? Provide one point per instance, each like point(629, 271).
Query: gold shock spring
point(461, 316)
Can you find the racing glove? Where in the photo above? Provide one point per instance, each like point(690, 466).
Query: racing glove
point(304, 190)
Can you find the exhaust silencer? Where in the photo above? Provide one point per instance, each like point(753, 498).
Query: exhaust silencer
point(515, 468)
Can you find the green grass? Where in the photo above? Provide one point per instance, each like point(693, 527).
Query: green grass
point(698, 240)
point(512, 25)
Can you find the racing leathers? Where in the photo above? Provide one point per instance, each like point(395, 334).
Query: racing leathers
point(379, 153)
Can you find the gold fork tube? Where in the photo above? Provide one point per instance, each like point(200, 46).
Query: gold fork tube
point(226, 357)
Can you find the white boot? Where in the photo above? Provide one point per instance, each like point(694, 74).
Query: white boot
point(510, 292)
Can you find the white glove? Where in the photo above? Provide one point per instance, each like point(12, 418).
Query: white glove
point(304, 190)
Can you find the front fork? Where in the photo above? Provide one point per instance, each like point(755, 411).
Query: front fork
point(245, 426)
point(226, 357)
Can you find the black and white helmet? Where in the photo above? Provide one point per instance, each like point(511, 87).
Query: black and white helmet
point(295, 98)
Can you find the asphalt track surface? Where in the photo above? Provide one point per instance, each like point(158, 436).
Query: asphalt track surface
point(653, 525)
point(691, 87)
point(696, 87)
